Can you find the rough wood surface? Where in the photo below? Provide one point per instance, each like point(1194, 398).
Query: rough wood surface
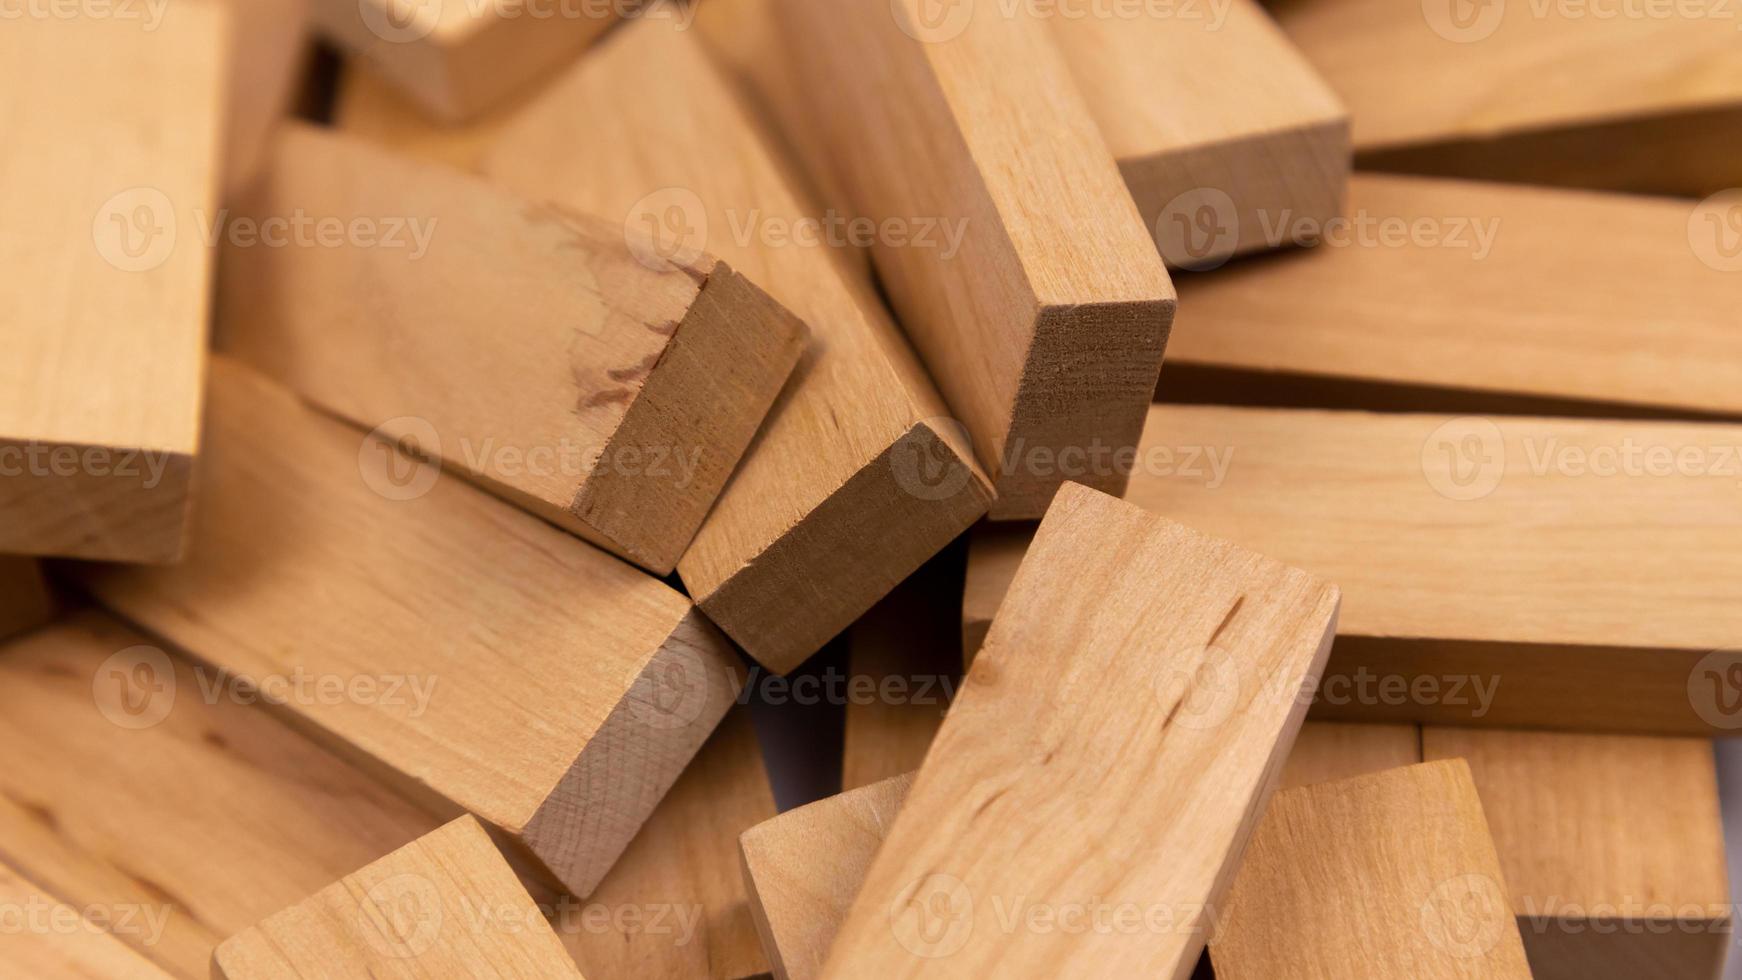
point(103, 305)
point(476, 655)
point(25, 602)
point(1613, 848)
point(1039, 737)
point(446, 904)
point(614, 403)
point(1387, 875)
point(857, 477)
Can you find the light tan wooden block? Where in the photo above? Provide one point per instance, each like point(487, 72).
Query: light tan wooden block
point(481, 658)
point(1386, 875)
point(446, 904)
point(104, 297)
point(1636, 99)
point(1613, 848)
point(106, 731)
point(46, 937)
point(857, 477)
point(458, 58)
point(25, 602)
point(1509, 291)
point(1045, 327)
point(805, 866)
point(368, 106)
point(1210, 646)
point(614, 403)
point(1328, 751)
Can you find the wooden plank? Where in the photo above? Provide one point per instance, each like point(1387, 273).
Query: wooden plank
point(47, 937)
point(614, 404)
point(1038, 738)
point(1391, 874)
point(1490, 290)
point(1560, 93)
point(805, 866)
point(1613, 848)
point(446, 904)
point(100, 724)
point(1327, 751)
point(25, 602)
point(458, 58)
point(1045, 337)
point(369, 107)
point(857, 477)
point(481, 658)
point(104, 300)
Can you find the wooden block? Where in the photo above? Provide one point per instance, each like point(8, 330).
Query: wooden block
point(25, 602)
point(1211, 646)
point(483, 659)
point(1559, 93)
point(446, 904)
point(458, 58)
point(805, 866)
point(1386, 875)
point(1613, 848)
point(857, 477)
point(47, 937)
point(614, 404)
point(1511, 291)
point(368, 106)
point(107, 276)
point(143, 785)
point(1044, 335)
point(1328, 750)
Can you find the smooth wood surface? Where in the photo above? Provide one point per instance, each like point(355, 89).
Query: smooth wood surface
point(104, 301)
point(614, 403)
point(446, 904)
point(805, 866)
point(106, 730)
point(25, 602)
point(562, 691)
point(1045, 329)
point(1528, 292)
point(857, 477)
point(1642, 99)
point(1613, 848)
point(368, 106)
point(51, 938)
point(1210, 645)
point(1386, 875)
point(1327, 751)
point(458, 58)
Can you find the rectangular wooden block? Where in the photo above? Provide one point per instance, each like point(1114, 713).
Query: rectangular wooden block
point(1640, 99)
point(857, 477)
point(104, 298)
point(25, 602)
point(1387, 875)
point(1043, 326)
point(614, 403)
point(483, 659)
point(47, 937)
point(446, 904)
point(1613, 848)
point(1210, 645)
point(1561, 297)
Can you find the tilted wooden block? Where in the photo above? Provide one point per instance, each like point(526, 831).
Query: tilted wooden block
point(1124, 636)
point(482, 658)
point(857, 477)
point(446, 904)
point(1043, 326)
point(46, 937)
point(25, 602)
point(1641, 99)
point(1613, 847)
point(1513, 292)
point(614, 403)
point(1387, 875)
point(104, 297)
point(457, 58)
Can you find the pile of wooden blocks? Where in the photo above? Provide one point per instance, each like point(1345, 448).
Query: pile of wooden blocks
point(459, 459)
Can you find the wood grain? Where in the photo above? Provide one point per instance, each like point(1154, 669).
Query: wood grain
point(104, 298)
point(1069, 687)
point(1557, 93)
point(857, 477)
point(446, 904)
point(1527, 292)
point(478, 657)
point(1045, 329)
point(1386, 875)
point(614, 404)
point(51, 938)
point(106, 730)
point(1613, 848)
point(25, 602)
